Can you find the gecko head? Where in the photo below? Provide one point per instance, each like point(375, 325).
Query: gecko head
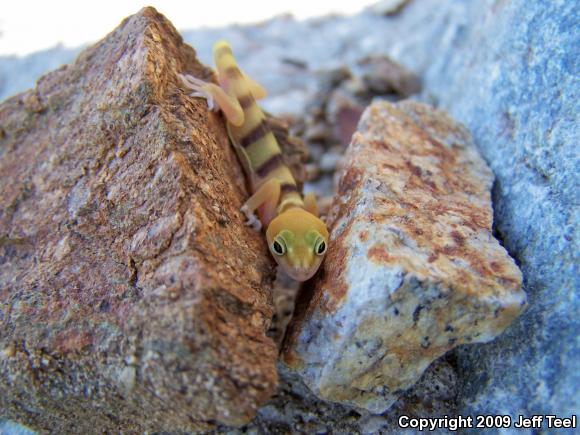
point(298, 241)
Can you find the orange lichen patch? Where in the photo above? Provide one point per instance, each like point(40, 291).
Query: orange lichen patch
point(72, 341)
point(363, 236)
point(496, 267)
point(379, 254)
point(330, 286)
point(349, 180)
point(506, 316)
point(332, 280)
point(425, 184)
point(457, 238)
point(290, 358)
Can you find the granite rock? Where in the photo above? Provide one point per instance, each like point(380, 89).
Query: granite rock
point(519, 95)
point(412, 269)
point(132, 296)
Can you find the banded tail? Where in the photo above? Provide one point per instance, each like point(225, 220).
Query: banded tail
point(254, 141)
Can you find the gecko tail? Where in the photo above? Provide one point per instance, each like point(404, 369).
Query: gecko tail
point(221, 44)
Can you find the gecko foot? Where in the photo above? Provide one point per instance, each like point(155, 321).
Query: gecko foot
point(252, 221)
point(198, 88)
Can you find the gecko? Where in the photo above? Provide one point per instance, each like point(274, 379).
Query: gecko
point(296, 236)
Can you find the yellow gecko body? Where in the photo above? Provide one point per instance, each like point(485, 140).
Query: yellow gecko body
point(296, 236)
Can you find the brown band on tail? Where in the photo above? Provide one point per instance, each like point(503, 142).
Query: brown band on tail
point(246, 101)
point(270, 165)
point(233, 72)
point(257, 133)
point(288, 188)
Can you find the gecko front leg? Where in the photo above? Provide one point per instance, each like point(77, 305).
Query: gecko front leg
point(217, 98)
point(266, 198)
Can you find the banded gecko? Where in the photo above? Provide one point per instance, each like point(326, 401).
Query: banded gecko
point(296, 236)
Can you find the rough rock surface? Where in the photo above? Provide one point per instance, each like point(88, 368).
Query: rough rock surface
point(294, 409)
point(412, 269)
point(132, 296)
point(519, 95)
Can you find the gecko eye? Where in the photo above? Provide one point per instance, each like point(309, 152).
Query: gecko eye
point(320, 247)
point(278, 248)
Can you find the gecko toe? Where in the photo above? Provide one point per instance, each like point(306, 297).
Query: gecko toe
point(252, 221)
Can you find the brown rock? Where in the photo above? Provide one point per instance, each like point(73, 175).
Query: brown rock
point(132, 297)
point(344, 110)
point(382, 75)
point(389, 7)
point(412, 269)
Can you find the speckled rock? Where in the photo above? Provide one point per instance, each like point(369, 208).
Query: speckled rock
point(412, 269)
point(132, 296)
point(519, 95)
point(294, 409)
